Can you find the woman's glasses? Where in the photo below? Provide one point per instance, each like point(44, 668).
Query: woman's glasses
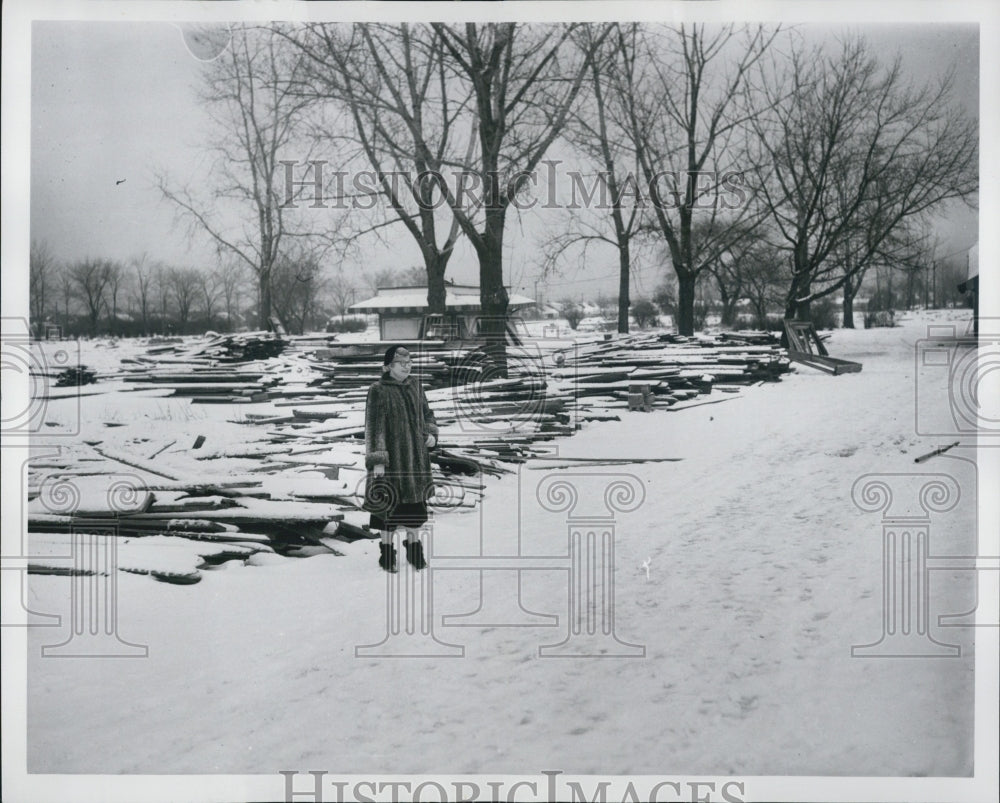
point(404, 362)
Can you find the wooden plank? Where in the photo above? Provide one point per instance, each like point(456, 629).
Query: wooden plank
point(830, 365)
point(802, 338)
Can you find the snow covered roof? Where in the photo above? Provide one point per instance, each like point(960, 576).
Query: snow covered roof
point(458, 298)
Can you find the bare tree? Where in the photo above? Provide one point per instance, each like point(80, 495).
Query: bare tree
point(950, 272)
point(852, 153)
point(683, 91)
point(383, 277)
point(67, 292)
point(730, 280)
point(162, 275)
point(906, 249)
point(209, 290)
point(343, 291)
point(116, 278)
point(298, 284)
point(596, 127)
point(732, 268)
point(142, 288)
point(248, 89)
point(405, 111)
point(184, 284)
point(412, 276)
point(90, 278)
point(764, 274)
point(41, 275)
point(230, 275)
point(524, 80)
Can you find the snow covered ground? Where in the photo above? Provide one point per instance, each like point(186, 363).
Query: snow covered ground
point(747, 574)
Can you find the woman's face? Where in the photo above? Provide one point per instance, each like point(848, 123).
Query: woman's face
point(400, 366)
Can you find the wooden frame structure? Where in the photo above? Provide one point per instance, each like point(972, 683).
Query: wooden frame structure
point(801, 339)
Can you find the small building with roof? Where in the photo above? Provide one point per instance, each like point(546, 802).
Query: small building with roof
point(970, 287)
point(403, 312)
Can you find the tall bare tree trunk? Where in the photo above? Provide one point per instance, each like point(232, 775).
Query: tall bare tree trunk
point(264, 298)
point(850, 290)
point(686, 282)
point(624, 263)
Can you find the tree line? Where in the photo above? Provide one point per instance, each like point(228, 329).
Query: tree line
point(748, 299)
point(143, 297)
point(739, 155)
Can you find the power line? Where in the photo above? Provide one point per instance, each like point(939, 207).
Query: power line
point(579, 281)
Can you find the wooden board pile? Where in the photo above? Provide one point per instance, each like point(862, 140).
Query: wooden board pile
point(208, 385)
point(77, 375)
point(296, 480)
point(206, 371)
point(351, 372)
point(242, 347)
point(168, 529)
point(674, 368)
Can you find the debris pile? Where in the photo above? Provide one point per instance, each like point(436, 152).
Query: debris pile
point(293, 485)
point(75, 376)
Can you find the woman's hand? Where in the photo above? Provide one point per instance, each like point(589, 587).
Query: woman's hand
point(378, 470)
point(431, 440)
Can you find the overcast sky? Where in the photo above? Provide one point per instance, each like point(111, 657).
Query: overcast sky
point(116, 102)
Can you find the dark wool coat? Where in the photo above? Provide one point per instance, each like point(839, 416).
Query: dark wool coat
point(397, 423)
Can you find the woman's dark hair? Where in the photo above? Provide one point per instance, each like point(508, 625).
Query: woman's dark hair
point(390, 354)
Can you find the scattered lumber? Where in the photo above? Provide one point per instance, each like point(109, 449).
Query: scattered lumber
point(699, 404)
point(134, 462)
point(802, 338)
point(618, 459)
point(75, 376)
point(925, 457)
point(297, 477)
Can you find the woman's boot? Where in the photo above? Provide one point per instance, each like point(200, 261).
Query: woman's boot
point(415, 554)
point(387, 557)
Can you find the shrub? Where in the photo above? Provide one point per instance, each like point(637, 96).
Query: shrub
point(879, 318)
point(644, 312)
point(880, 310)
point(573, 315)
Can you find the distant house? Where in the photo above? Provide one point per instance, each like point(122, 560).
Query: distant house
point(402, 312)
point(971, 284)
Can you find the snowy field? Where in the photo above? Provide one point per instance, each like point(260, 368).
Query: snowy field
point(747, 573)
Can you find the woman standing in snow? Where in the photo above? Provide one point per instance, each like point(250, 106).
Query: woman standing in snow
point(399, 429)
